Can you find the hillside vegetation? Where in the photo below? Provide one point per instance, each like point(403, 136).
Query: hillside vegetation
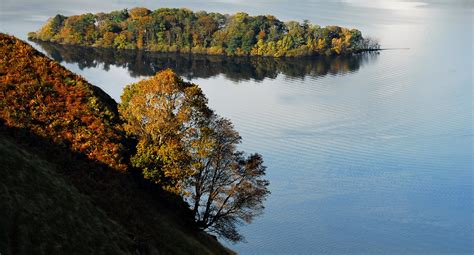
point(182, 30)
point(42, 96)
point(66, 186)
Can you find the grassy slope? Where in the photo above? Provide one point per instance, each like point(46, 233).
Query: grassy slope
point(43, 213)
point(55, 198)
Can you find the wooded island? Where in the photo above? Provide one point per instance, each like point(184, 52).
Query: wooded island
point(185, 31)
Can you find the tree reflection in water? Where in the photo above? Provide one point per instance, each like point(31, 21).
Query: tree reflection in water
point(141, 63)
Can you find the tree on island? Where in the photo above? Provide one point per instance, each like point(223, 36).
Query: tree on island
point(189, 150)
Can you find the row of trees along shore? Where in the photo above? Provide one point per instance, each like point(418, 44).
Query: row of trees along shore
point(185, 31)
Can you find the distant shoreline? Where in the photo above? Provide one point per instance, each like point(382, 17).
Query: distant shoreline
point(187, 53)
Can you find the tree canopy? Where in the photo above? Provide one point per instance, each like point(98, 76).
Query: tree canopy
point(182, 30)
point(188, 149)
point(164, 112)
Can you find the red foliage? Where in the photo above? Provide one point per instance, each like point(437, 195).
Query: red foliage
point(39, 94)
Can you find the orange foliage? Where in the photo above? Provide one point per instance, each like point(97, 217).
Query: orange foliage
point(40, 95)
point(139, 12)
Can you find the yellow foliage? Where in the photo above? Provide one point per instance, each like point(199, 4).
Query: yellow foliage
point(162, 111)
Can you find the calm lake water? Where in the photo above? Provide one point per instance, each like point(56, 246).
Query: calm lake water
point(371, 154)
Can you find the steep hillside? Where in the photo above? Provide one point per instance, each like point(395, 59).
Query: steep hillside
point(42, 96)
point(43, 214)
point(66, 186)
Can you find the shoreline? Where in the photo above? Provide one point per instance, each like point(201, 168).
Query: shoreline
point(189, 53)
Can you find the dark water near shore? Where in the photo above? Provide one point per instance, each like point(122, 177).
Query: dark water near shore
point(370, 154)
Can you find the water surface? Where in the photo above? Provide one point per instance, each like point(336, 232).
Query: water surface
point(371, 154)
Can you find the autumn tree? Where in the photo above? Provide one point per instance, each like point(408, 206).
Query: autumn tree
point(227, 188)
point(163, 113)
point(186, 148)
point(205, 27)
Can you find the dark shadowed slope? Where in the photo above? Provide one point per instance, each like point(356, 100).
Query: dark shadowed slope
point(43, 214)
point(60, 148)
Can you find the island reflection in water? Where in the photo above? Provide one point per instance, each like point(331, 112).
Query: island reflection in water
point(141, 63)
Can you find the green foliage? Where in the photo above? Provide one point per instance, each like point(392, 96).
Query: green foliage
point(118, 16)
point(181, 30)
point(57, 22)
